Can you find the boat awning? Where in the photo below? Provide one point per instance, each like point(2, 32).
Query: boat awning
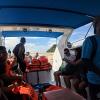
point(56, 13)
point(31, 34)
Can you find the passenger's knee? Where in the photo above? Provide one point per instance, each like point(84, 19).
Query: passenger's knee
point(83, 84)
point(57, 73)
point(67, 77)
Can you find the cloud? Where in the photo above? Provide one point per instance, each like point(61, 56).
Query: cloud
point(33, 48)
point(81, 32)
point(11, 42)
point(30, 46)
point(51, 42)
point(79, 43)
point(40, 48)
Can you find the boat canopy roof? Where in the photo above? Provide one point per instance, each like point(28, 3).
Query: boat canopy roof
point(31, 34)
point(53, 13)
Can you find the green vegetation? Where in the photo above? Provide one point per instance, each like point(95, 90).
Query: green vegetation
point(52, 49)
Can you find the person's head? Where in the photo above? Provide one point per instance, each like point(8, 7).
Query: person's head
point(96, 24)
point(9, 51)
point(66, 51)
point(37, 54)
point(23, 40)
point(3, 54)
point(27, 53)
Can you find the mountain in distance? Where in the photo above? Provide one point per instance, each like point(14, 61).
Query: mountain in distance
point(52, 49)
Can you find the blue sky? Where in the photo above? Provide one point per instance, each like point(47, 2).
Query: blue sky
point(80, 33)
point(33, 44)
point(42, 44)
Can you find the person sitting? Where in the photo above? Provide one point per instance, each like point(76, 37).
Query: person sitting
point(12, 86)
point(36, 55)
point(79, 81)
point(68, 58)
point(5, 76)
point(28, 58)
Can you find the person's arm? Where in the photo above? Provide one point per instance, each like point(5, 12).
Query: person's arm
point(21, 51)
point(12, 79)
point(88, 63)
point(71, 59)
point(65, 59)
point(77, 62)
point(86, 56)
point(68, 61)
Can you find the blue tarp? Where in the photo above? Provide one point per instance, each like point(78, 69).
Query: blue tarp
point(62, 13)
point(31, 34)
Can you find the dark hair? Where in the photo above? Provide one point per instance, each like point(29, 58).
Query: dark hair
point(3, 54)
point(3, 59)
point(22, 40)
point(2, 49)
point(95, 23)
point(78, 50)
point(66, 49)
